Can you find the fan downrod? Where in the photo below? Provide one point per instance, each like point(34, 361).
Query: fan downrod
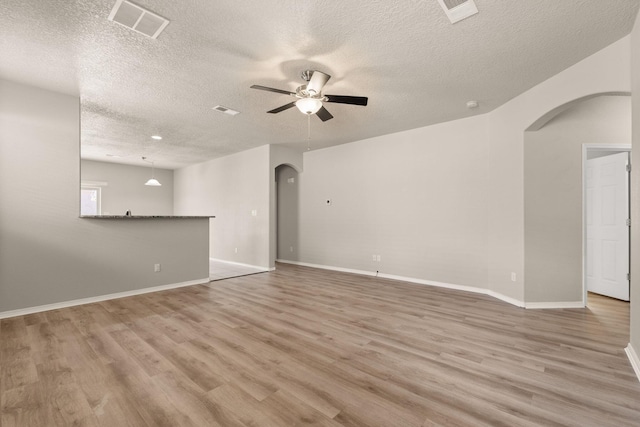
point(306, 75)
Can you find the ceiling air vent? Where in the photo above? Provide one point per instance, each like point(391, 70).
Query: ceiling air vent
point(226, 110)
point(457, 10)
point(137, 19)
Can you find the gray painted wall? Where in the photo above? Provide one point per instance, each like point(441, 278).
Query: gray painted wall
point(126, 190)
point(605, 71)
point(553, 193)
point(47, 253)
point(278, 155)
point(288, 217)
point(230, 188)
point(416, 198)
point(635, 190)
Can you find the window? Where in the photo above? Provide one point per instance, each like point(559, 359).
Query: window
point(89, 200)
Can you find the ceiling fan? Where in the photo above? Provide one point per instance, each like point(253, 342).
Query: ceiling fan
point(310, 97)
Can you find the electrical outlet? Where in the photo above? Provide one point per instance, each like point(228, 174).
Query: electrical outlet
point(513, 276)
point(236, 250)
point(378, 258)
point(254, 213)
point(156, 268)
point(374, 257)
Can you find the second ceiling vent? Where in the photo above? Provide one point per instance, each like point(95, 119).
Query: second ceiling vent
point(225, 110)
point(138, 19)
point(457, 10)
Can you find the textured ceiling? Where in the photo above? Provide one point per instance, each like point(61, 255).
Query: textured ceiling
point(413, 64)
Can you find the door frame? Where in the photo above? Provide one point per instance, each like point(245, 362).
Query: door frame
point(586, 148)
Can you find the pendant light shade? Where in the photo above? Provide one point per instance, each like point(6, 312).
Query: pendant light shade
point(309, 105)
point(152, 181)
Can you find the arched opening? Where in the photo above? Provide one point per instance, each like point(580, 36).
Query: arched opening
point(287, 214)
point(550, 115)
point(555, 147)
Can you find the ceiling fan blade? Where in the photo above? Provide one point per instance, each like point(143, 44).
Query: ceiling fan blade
point(271, 89)
point(323, 114)
point(317, 82)
point(284, 107)
point(353, 100)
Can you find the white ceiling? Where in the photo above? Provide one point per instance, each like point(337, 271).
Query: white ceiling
point(415, 66)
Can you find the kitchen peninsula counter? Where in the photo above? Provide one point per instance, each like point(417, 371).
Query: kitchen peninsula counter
point(146, 216)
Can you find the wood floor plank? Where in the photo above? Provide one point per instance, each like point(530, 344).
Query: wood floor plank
point(308, 347)
point(285, 409)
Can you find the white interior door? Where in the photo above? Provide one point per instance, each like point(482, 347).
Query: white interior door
point(607, 204)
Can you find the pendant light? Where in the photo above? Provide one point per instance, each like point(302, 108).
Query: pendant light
point(152, 181)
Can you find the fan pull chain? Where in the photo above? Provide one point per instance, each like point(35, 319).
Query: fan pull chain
point(308, 132)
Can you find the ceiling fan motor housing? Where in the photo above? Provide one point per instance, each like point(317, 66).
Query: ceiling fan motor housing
point(303, 92)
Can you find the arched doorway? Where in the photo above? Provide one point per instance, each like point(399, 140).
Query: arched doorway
point(554, 156)
point(287, 213)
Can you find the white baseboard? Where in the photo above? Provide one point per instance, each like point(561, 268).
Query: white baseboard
point(81, 301)
point(465, 288)
point(501, 297)
point(633, 358)
point(561, 304)
point(326, 267)
point(240, 264)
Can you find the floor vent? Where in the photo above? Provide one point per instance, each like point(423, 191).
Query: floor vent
point(457, 10)
point(138, 19)
point(226, 110)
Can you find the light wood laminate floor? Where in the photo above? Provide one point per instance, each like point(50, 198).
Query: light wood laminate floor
point(301, 346)
point(219, 269)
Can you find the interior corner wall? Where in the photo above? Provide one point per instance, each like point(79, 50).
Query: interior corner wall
point(603, 72)
point(553, 193)
point(123, 188)
point(416, 198)
point(635, 190)
point(47, 253)
point(377, 208)
point(230, 188)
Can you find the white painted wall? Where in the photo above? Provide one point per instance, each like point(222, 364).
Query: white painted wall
point(47, 253)
point(416, 198)
point(230, 188)
point(553, 193)
point(125, 189)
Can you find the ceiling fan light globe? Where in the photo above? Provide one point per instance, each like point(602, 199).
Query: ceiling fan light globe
point(309, 105)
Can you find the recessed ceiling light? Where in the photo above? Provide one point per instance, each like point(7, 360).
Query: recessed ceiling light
point(156, 137)
point(472, 104)
point(112, 155)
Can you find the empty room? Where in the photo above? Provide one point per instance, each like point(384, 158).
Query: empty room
point(328, 213)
